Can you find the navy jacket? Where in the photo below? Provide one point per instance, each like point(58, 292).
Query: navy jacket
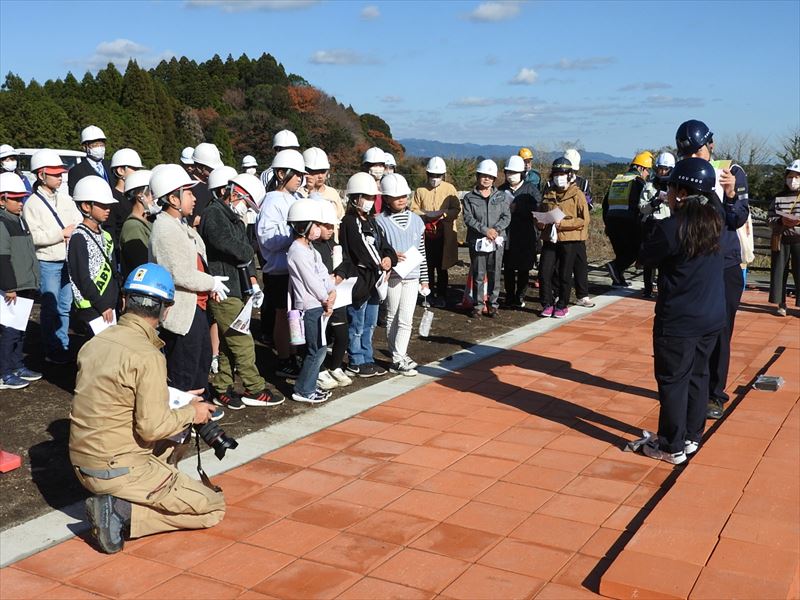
point(734, 212)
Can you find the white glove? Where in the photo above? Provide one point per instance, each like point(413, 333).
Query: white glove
point(258, 296)
point(220, 289)
point(424, 291)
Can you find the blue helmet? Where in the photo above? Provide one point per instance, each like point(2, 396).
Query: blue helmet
point(561, 165)
point(151, 280)
point(691, 136)
point(695, 174)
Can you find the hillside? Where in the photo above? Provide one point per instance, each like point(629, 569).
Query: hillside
point(238, 104)
point(427, 148)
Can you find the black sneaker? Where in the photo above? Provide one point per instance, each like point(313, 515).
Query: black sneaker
point(368, 370)
point(353, 369)
point(262, 398)
point(379, 370)
point(228, 399)
point(288, 369)
point(110, 521)
point(617, 280)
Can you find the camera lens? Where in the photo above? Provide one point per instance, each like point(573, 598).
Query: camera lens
point(213, 435)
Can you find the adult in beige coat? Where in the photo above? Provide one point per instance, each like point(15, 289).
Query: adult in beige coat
point(438, 205)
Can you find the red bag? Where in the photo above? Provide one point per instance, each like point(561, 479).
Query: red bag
point(434, 230)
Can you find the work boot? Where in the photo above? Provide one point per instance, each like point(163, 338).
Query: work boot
point(714, 410)
point(110, 519)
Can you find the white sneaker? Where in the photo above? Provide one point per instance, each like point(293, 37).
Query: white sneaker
point(410, 363)
point(316, 397)
point(690, 447)
point(584, 302)
point(655, 452)
point(341, 377)
point(326, 381)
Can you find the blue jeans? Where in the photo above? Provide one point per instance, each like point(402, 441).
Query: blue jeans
point(11, 341)
point(315, 353)
point(56, 300)
point(363, 320)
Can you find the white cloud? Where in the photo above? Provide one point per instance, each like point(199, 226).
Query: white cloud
point(246, 5)
point(660, 101)
point(479, 101)
point(494, 11)
point(392, 99)
point(579, 64)
point(370, 12)
point(119, 52)
point(645, 85)
point(525, 76)
point(341, 57)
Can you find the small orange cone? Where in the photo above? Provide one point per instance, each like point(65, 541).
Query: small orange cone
point(9, 462)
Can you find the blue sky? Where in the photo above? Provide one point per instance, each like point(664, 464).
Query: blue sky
point(618, 76)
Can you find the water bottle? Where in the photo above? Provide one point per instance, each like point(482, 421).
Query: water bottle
point(297, 334)
point(244, 279)
point(426, 321)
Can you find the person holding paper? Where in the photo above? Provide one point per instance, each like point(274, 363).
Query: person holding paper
point(19, 278)
point(784, 219)
point(487, 214)
point(405, 233)
point(90, 256)
point(230, 254)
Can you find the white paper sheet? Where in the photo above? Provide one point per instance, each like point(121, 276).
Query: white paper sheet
point(413, 258)
point(382, 286)
point(552, 216)
point(99, 324)
point(484, 244)
point(242, 321)
point(344, 292)
point(178, 398)
point(15, 315)
point(323, 325)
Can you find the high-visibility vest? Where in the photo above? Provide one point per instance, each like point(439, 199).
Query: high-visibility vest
point(104, 275)
point(620, 192)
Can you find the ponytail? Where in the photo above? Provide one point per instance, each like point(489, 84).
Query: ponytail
point(699, 226)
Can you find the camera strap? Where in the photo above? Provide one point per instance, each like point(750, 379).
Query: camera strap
point(203, 477)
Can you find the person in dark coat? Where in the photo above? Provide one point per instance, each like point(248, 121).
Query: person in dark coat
point(93, 141)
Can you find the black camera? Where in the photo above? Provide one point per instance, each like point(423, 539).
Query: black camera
point(213, 435)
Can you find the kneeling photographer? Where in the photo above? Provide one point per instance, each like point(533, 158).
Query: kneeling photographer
point(120, 412)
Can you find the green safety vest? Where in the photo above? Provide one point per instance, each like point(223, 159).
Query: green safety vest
point(105, 275)
point(620, 192)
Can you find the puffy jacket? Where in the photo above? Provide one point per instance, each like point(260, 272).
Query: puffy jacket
point(226, 244)
point(482, 214)
point(575, 225)
point(19, 269)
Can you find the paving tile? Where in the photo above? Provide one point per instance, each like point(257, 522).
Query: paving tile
point(291, 537)
point(457, 441)
point(715, 583)
point(182, 549)
point(731, 452)
point(401, 474)
point(370, 588)
point(484, 465)
point(455, 483)
point(335, 440)
point(641, 496)
point(765, 532)
point(562, 461)
point(508, 450)
point(236, 489)
point(479, 428)
point(426, 456)
point(579, 444)
point(64, 592)
point(513, 495)
point(348, 464)
point(758, 505)
point(21, 584)
point(264, 472)
point(358, 426)
point(193, 586)
point(407, 434)
point(62, 561)
point(636, 575)
point(527, 559)
point(277, 501)
point(302, 455)
point(554, 531)
point(488, 517)
point(539, 477)
point(624, 517)
point(388, 414)
point(527, 436)
point(332, 513)
point(432, 420)
point(583, 571)
point(603, 540)
point(307, 579)
point(315, 482)
point(776, 477)
point(427, 504)
point(617, 471)
point(456, 541)
point(557, 591)
point(422, 570)
point(480, 582)
point(242, 565)
point(240, 522)
point(353, 552)
point(393, 527)
point(585, 510)
point(378, 449)
point(755, 560)
point(680, 544)
point(369, 493)
point(106, 581)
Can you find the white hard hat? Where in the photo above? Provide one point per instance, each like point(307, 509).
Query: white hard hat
point(665, 159)
point(126, 157)
point(388, 159)
point(168, 178)
point(394, 185)
point(794, 166)
point(487, 167)
point(186, 155)
point(515, 164)
point(374, 156)
point(92, 133)
point(137, 179)
point(362, 183)
point(436, 165)
point(208, 155)
point(11, 183)
point(305, 209)
point(46, 158)
point(6, 150)
point(289, 159)
point(249, 161)
point(328, 216)
point(316, 159)
point(285, 139)
point(252, 185)
point(220, 177)
point(93, 189)
point(573, 156)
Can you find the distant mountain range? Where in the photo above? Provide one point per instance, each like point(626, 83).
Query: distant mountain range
point(425, 148)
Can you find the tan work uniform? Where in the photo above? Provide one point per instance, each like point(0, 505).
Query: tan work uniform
point(119, 412)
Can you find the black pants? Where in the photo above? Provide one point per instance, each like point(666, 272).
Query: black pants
point(516, 283)
point(721, 355)
point(189, 355)
point(681, 371)
point(580, 272)
point(625, 236)
point(648, 273)
point(437, 276)
point(337, 334)
point(562, 255)
point(276, 288)
point(779, 273)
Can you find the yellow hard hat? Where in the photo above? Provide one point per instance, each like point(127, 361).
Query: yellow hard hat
point(643, 159)
point(525, 153)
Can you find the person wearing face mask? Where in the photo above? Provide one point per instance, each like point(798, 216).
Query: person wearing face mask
point(374, 163)
point(52, 217)
point(124, 163)
point(249, 165)
point(135, 234)
point(653, 205)
point(231, 255)
point(283, 140)
point(530, 174)
point(562, 240)
point(313, 293)
point(785, 242)
point(317, 168)
point(93, 141)
point(274, 238)
point(365, 247)
point(621, 216)
point(206, 158)
point(438, 204)
point(521, 239)
point(390, 162)
point(181, 251)
point(9, 163)
point(487, 214)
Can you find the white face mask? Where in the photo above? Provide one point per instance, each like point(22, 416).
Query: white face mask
point(793, 183)
point(250, 170)
point(366, 206)
point(10, 165)
point(98, 153)
point(376, 172)
point(153, 209)
point(513, 178)
point(434, 182)
point(561, 181)
point(240, 208)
